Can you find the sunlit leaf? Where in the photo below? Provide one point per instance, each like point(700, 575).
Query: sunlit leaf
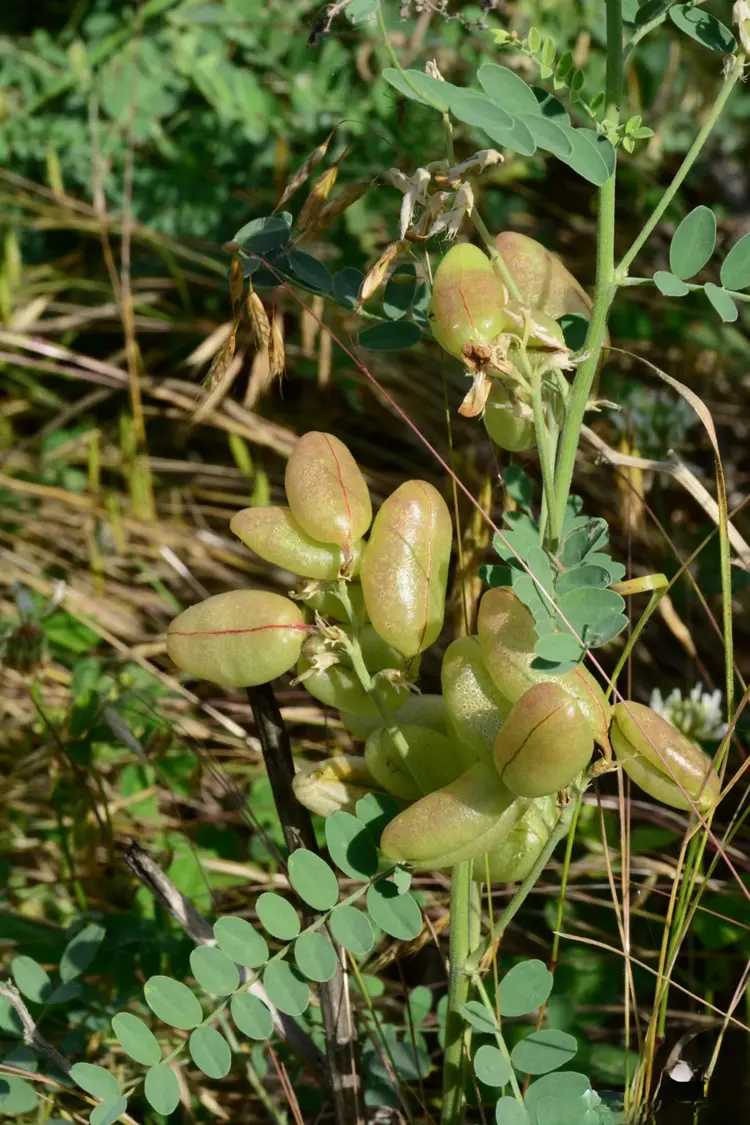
point(722, 302)
point(670, 285)
point(161, 1089)
point(544, 1050)
point(703, 27)
point(491, 1066)
point(735, 269)
point(136, 1039)
point(210, 1052)
point(693, 243)
point(173, 1002)
point(524, 988)
point(313, 879)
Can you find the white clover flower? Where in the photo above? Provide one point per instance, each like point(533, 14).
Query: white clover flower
point(699, 716)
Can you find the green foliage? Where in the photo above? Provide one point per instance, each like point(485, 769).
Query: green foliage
point(693, 243)
point(735, 269)
point(252, 1017)
point(395, 912)
point(691, 248)
point(703, 27)
point(214, 971)
point(173, 1002)
point(277, 916)
point(136, 1039)
point(351, 845)
point(81, 951)
point(315, 957)
point(161, 1089)
point(543, 1051)
point(210, 1052)
point(313, 880)
point(524, 988)
point(352, 929)
point(491, 1066)
point(188, 98)
point(513, 115)
point(95, 1080)
point(31, 980)
point(575, 580)
point(241, 941)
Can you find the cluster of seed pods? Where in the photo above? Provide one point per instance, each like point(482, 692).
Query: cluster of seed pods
point(478, 767)
point(472, 315)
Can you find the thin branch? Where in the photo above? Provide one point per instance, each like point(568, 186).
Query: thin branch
point(298, 832)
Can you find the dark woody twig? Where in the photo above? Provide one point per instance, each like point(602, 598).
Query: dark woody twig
point(298, 832)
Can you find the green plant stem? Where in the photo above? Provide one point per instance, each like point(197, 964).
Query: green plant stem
point(559, 832)
point(605, 283)
point(584, 380)
point(494, 255)
point(499, 1037)
point(564, 882)
point(734, 72)
point(457, 1031)
point(643, 31)
point(545, 448)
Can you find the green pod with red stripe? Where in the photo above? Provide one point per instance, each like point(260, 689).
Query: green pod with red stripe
point(507, 637)
point(467, 310)
point(238, 639)
point(327, 493)
point(276, 536)
point(544, 743)
point(661, 760)
point(404, 570)
point(475, 707)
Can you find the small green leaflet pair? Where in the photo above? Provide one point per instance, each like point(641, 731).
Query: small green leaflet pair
point(225, 971)
point(553, 1099)
point(691, 247)
point(37, 987)
point(691, 19)
point(576, 581)
point(513, 115)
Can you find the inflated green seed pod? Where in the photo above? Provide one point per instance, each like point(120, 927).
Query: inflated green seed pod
point(475, 707)
point(543, 281)
point(657, 757)
point(431, 761)
point(544, 743)
point(336, 783)
point(513, 857)
point(424, 710)
point(327, 603)
point(404, 569)
point(507, 421)
point(326, 491)
point(238, 639)
point(338, 686)
point(468, 301)
point(275, 535)
point(461, 821)
point(507, 637)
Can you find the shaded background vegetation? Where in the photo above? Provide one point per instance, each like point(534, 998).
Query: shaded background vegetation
point(134, 141)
